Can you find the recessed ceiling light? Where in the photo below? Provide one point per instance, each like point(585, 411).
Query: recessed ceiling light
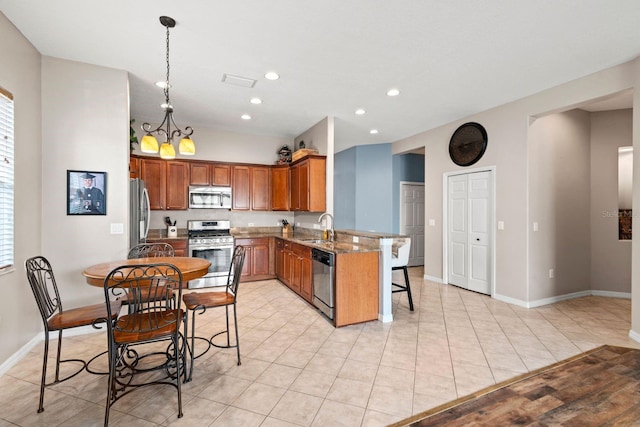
point(271, 75)
point(393, 92)
point(373, 131)
point(256, 101)
point(360, 111)
point(245, 117)
point(163, 84)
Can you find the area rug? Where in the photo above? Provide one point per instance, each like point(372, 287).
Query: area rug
point(600, 387)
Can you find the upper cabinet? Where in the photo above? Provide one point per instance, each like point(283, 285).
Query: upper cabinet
point(250, 187)
point(208, 173)
point(300, 186)
point(308, 184)
point(280, 188)
point(166, 183)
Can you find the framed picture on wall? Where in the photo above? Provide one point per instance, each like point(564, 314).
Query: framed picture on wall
point(86, 192)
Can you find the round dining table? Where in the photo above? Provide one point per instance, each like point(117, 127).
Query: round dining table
point(190, 267)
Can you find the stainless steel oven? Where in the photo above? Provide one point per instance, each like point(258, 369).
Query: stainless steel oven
point(212, 241)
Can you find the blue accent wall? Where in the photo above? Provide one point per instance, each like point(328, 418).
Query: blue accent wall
point(367, 186)
point(344, 191)
point(406, 167)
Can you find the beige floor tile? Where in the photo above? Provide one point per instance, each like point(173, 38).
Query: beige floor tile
point(359, 371)
point(338, 414)
point(350, 392)
point(197, 412)
point(325, 364)
point(236, 417)
point(398, 379)
point(297, 408)
point(379, 419)
point(260, 398)
point(279, 375)
point(225, 389)
point(295, 358)
point(391, 401)
point(313, 383)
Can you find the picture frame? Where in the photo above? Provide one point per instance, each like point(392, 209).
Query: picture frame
point(86, 192)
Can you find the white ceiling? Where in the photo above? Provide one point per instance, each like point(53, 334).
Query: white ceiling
point(449, 59)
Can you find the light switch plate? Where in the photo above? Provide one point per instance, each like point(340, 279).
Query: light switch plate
point(356, 239)
point(500, 225)
point(117, 228)
point(432, 222)
point(535, 226)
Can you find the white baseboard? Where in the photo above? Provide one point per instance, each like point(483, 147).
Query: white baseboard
point(433, 278)
point(558, 298)
point(634, 335)
point(53, 336)
point(20, 354)
point(611, 294)
point(386, 318)
point(510, 300)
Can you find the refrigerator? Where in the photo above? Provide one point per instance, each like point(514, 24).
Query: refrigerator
point(139, 212)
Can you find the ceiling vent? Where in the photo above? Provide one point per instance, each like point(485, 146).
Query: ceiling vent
point(238, 80)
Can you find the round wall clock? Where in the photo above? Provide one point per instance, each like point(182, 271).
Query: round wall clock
point(467, 144)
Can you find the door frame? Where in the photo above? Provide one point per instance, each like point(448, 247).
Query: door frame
point(445, 222)
point(401, 223)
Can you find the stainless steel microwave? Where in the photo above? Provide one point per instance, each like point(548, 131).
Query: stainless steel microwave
point(209, 197)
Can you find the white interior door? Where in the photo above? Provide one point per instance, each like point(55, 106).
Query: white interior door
point(412, 220)
point(469, 219)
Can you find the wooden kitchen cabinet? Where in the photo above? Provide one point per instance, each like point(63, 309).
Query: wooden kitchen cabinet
point(308, 184)
point(280, 188)
point(250, 187)
point(179, 245)
point(166, 182)
point(356, 287)
point(134, 167)
point(294, 267)
point(209, 173)
point(258, 259)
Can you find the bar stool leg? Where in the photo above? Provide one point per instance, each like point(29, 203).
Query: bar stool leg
point(406, 280)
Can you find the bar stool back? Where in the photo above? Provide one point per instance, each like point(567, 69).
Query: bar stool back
point(399, 260)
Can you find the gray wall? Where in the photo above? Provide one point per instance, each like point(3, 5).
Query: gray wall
point(20, 74)
point(345, 189)
point(610, 257)
point(559, 196)
point(406, 167)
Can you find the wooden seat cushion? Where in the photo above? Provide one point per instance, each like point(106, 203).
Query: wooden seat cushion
point(137, 327)
point(82, 316)
point(208, 299)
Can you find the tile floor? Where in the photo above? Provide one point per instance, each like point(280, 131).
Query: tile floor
point(297, 370)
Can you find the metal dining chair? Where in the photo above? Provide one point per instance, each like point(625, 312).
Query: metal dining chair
point(133, 338)
point(150, 250)
point(201, 301)
point(55, 318)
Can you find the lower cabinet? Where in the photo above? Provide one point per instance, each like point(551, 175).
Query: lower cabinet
point(294, 267)
point(258, 258)
point(179, 245)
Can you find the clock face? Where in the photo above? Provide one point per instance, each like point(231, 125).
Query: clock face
point(468, 144)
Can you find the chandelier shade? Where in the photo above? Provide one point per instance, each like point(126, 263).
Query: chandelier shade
point(168, 129)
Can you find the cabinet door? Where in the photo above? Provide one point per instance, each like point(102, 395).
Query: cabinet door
point(154, 174)
point(221, 174)
point(134, 165)
point(247, 266)
point(260, 188)
point(260, 259)
point(306, 278)
point(177, 185)
point(303, 186)
point(200, 174)
point(295, 187)
point(240, 188)
point(317, 184)
point(280, 188)
point(294, 272)
point(279, 259)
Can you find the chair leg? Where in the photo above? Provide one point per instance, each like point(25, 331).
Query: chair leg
point(44, 371)
point(57, 378)
point(235, 322)
point(111, 385)
point(226, 307)
point(406, 280)
point(176, 349)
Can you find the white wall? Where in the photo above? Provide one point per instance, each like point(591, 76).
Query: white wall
point(85, 119)
point(508, 127)
point(20, 75)
point(559, 203)
point(610, 257)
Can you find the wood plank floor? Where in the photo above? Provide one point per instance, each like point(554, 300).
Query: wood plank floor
point(598, 388)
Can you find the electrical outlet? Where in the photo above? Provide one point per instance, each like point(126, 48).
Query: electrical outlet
point(251, 224)
point(316, 226)
point(356, 239)
point(535, 226)
point(551, 273)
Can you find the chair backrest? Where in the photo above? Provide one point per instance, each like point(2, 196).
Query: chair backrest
point(402, 248)
point(235, 269)
point(149, 291)
point(44, 287)
point(147, 250)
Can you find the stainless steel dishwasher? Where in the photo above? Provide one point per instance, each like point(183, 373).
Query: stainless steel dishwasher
point(323, 281)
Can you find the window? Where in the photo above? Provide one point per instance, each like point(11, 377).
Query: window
point(6, 180)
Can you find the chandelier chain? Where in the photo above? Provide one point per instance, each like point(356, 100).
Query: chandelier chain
point(166, 89)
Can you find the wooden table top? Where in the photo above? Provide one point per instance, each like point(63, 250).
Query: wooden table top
point(191, 268)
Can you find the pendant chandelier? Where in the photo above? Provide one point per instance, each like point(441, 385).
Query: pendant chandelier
point(168, 128)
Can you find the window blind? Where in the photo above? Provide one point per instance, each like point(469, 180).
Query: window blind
point(6, 180)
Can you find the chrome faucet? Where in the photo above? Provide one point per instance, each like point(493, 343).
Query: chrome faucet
point(331, 232)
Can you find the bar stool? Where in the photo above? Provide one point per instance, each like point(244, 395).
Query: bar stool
point(399, 260)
